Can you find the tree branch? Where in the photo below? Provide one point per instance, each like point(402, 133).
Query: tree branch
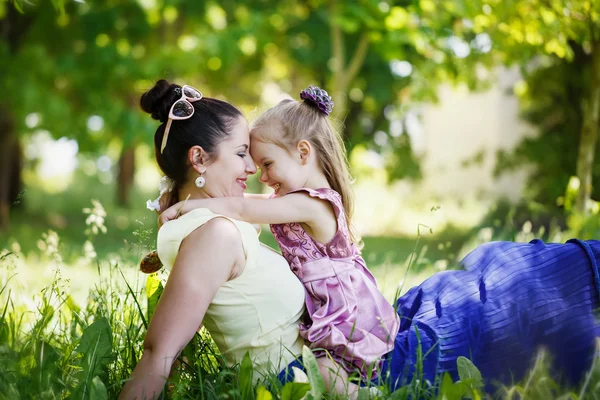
point(337, 41)
point(14, 26)
point(358, 59)
point(591, 26)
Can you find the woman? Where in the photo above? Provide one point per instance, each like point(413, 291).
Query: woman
point(244, 293)
point(511, 298)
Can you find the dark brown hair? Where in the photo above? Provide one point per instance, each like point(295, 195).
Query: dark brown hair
point(210, 124)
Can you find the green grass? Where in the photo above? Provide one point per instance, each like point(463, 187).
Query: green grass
point(54, 347)
point(72, 323)
point(79, 335)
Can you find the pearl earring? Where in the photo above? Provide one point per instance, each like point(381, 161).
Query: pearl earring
point(200, 182)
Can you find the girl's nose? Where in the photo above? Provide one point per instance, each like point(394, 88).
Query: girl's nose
point(263, 176)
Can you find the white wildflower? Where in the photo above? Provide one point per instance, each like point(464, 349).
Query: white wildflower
point(165, 185)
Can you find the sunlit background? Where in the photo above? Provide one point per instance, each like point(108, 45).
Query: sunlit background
point(465, 121)
point(458, 116)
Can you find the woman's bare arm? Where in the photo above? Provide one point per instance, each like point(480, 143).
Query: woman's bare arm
point(205, 261)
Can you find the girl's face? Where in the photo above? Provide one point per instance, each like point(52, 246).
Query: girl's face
point(280, 169)
point(227, 175)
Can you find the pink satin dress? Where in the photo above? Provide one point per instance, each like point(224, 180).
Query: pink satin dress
point(347, 315)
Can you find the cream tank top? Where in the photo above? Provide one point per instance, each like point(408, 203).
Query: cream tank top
point(258, 311)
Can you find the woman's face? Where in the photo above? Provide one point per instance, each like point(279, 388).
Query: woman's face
point(227, 174)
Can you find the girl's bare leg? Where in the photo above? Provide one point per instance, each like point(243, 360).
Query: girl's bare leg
point(336, 378)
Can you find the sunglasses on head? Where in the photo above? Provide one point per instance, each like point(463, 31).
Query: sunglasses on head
point(181, 109)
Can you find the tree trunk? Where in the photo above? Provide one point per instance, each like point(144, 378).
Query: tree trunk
point(349, 134)
point(10, 168)
point(126, 174)
point(13, 29)
point(589, 134)
point(343, 73)
point(16, 184)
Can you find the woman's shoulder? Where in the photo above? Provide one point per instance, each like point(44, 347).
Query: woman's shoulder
point(179, 228)
point(172, 234)
point(221, 229)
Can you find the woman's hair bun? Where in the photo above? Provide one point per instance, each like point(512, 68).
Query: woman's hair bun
point(158, 101)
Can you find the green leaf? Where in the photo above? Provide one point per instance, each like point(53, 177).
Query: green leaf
point(245, 378)
point(397, 19)
point(294, 390)
point(4, 328)
point(154, 289)
point(461, 390)
point(263, 394)
point(317, 384)
point(363, 394)
point(96, 347)
point(18, 6)
point(98, 390)
point(468, 372)
point(47, 365)
point(59, 5)
point(452, 390)
point(401, 393)
point(446, 387)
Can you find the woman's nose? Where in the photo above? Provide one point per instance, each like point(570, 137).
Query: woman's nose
point(250, 166)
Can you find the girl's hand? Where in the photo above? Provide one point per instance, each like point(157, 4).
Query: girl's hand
point(173, 212)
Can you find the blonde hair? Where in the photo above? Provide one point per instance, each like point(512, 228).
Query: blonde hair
point(291, 121)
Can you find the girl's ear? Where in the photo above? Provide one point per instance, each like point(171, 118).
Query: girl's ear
point(198, 158)
point(304, 149)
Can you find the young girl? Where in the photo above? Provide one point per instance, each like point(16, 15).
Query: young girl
point(303, 159)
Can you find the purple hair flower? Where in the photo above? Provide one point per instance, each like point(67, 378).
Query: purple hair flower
point(317, 98)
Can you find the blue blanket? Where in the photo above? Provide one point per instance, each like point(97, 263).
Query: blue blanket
point(510, 300)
